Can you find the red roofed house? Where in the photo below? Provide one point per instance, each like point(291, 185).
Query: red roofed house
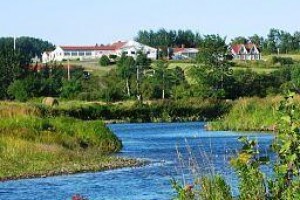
point(245, 52)
point(77, 52)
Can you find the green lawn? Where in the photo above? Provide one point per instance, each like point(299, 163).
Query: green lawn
point(256, 69)
point(295, 57)
point(93, 67)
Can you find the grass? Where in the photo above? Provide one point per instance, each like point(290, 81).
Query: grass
point(33, 144)
point(257, 69)
point(191, 109)
point(295, 57)
point(93, 67)
point(251, 114)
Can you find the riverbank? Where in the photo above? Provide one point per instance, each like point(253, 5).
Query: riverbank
point(252, 114)
point(33, 144)
point(184, 110)
point(98, 164)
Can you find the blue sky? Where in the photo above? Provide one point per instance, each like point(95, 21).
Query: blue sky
point(103, 21)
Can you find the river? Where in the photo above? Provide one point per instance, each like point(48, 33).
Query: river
point(176, 150)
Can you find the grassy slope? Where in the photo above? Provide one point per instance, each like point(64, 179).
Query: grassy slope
point(32, 145)
point(249, 114)
point(93, 67)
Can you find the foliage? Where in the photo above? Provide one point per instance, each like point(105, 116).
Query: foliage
point(104, 61)
point(33, 144)
point(214, 188)
point(19, 90)
point(213, 68)
point(172, 38)
point(10, 65)
point(126, 69)
point(183, 193)
point(168, 110)
point(247, 165)
point(284, 183)
point(282, 60)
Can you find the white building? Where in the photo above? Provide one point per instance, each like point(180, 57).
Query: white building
point(130, 48)
point(184, 53)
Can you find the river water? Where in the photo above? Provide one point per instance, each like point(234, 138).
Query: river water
point(176, 150)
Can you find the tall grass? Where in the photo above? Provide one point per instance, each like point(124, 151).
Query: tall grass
point(192, 109)
point(251, 114)
point(34, 144)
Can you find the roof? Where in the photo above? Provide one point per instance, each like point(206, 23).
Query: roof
point(236, 48)
point(118, 45)
point(185, 50)
point(91, 48)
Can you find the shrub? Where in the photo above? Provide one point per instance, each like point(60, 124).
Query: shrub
point(282, 60)
point(18, 90)
point(104, 61)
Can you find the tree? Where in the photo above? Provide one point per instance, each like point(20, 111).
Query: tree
point(161, 75)
point(239, 40)
point(126, 69)
point(10, 65)
point(104, 60)
point(213, 67)
point(163, 39)
point(30, 47)
point(142, 64)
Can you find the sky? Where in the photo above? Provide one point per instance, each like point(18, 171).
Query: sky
point(87, 22)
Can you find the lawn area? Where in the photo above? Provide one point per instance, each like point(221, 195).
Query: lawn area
point(93, 67)
point(295, 57)
point(256, 69)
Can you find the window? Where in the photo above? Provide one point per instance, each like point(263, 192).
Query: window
point(125, 52)
point(132, 52)
point(81, 53)
point(88, 53)
point(67, 53)
point(74, 53)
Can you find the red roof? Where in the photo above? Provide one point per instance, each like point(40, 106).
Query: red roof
point(248, 46)
point(91, 48)
point(236, 48)
point(176, 50)
point(118, 45)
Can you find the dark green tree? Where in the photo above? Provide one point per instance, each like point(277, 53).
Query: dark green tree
point(104, 61)
point(239, 40)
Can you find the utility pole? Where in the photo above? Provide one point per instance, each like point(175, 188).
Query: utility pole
point(137, 83)
point(163, 91)
point(14, 43)
point(69, 75)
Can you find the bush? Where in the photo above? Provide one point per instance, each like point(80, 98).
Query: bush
point(112, 56)
point(104, 61)
point(18, 90)
point(282, 60)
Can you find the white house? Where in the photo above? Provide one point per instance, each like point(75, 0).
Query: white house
point(245, 52)
point(130, 48)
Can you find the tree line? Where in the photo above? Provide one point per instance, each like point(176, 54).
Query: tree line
point(210, 77)
point(276, 40)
